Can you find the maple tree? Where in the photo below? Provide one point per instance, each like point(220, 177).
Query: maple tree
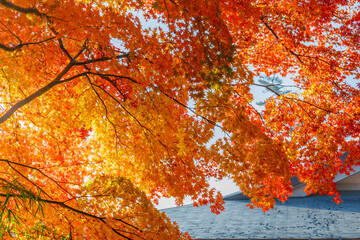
point(109, 105)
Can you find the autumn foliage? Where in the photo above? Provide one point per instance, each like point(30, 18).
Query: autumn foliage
point(106, 106)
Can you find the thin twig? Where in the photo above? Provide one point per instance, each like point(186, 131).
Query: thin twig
point(36, 169)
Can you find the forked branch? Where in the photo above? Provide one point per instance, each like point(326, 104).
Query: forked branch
point(53, 83)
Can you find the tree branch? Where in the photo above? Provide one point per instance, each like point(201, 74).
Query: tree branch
point(106, 110)
point(36, 94)
point(36, 169)
point(62, 47)
point(14, 7)
point(53, 83)
point(132, 115)
point(278, 39)
point(62, 204)
point(22, 175)
point(18, 46)
point(103, 59)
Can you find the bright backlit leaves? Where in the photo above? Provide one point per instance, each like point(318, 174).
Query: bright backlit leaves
point(109, 105)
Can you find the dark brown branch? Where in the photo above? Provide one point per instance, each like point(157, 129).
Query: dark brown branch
point(257, 112)
point(300, 55)
point(268, 87)
point(191, 110)
point(279, 40)
point(36, 169)
point(103, 59)
point(116, 231)
point(11, 32)
point(10, 49)
point(53, 83)
point(105, 77)
point(81, 50)
point(326, 62)
point(104, 195)
point(113, 75)
point(18, 46)
point(308, 103)
point(132, 115)
point(287, 98)
point(140, 124)
point(74, 77)
point(36, 94)
point(22, 175)
point(62, 47)
point(106, 110)
point(62, 204)
point(21, 9)
point(120, 220)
